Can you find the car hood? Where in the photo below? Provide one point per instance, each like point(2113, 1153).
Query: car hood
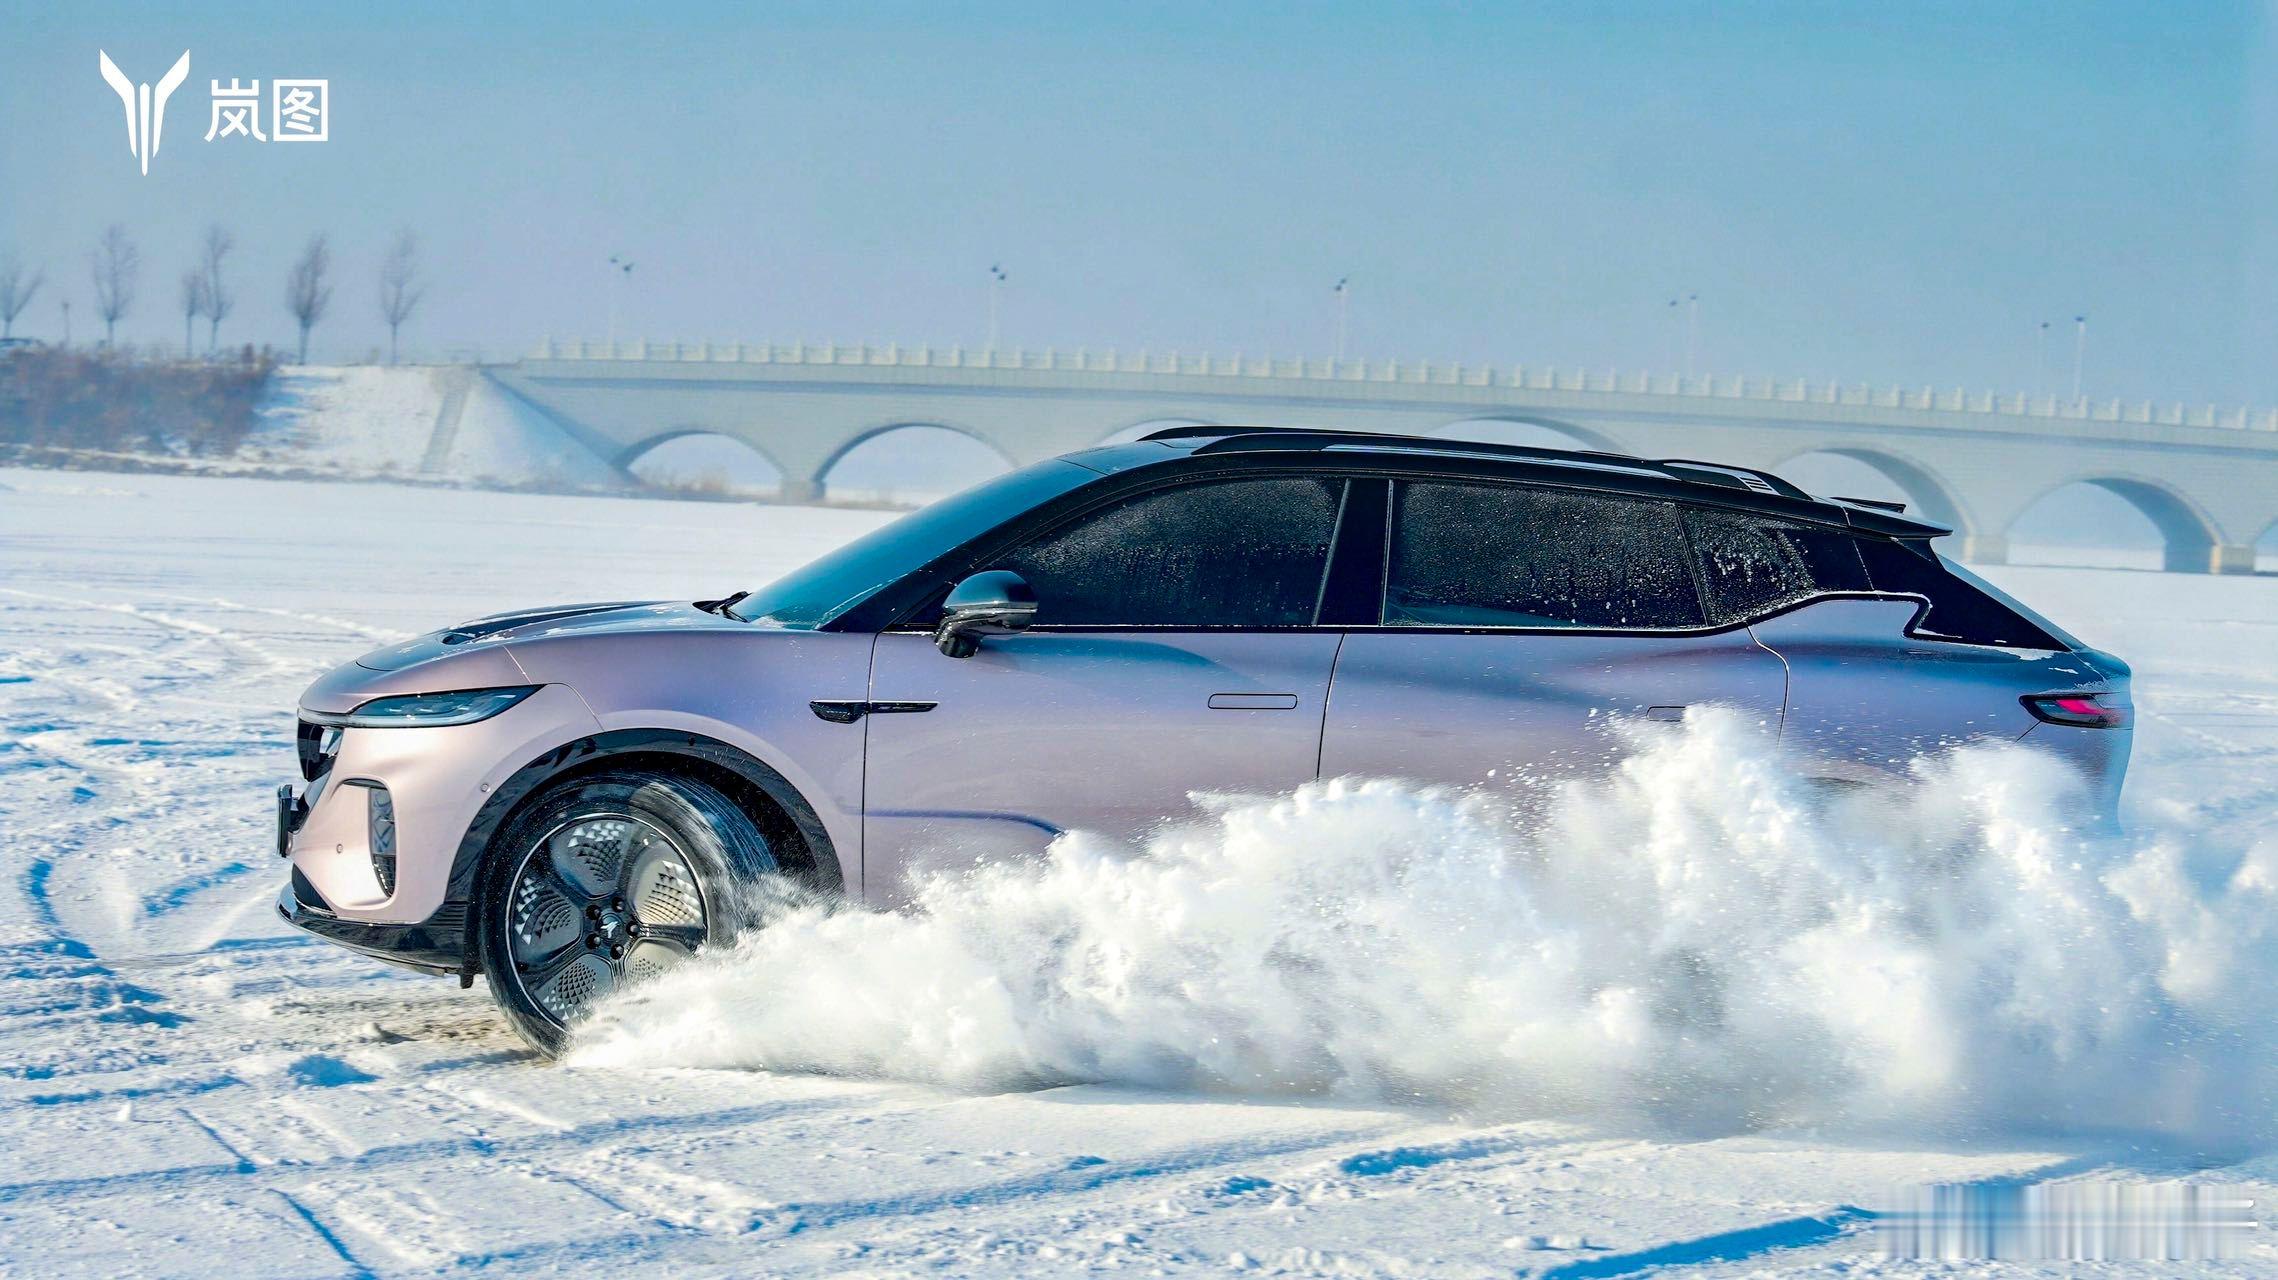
point(616, 616)
point(477, 654)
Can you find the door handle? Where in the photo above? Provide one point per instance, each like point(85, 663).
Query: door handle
point(849, 710)
point(1253, 702)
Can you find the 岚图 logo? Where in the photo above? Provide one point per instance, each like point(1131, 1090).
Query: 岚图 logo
point(299, 110)
point(146, 106)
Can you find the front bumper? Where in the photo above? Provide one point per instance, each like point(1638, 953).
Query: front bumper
point(437, 944)
point(377, 834)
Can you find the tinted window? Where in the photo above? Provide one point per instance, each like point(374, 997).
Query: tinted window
point(1752, 565)
point(1958, 609)
point(1504, 556)
point(1240, 553)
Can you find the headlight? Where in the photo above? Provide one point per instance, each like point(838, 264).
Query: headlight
point(426, 710)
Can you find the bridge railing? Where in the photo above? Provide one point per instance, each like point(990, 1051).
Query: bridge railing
point(1517, 377)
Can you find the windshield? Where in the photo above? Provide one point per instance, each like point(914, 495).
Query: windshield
point(822, 589)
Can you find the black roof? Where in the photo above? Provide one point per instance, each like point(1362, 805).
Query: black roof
point(1737, 485)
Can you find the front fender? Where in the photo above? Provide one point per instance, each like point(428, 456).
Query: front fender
point(728, 763)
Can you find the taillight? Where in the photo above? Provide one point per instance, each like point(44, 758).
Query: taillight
point(2080, 710)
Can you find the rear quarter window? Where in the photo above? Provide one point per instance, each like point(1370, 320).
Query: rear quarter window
point(1753, 565)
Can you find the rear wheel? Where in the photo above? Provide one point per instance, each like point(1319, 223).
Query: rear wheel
point(606, 880)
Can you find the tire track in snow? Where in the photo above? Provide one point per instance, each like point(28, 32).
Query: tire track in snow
point(382, 634)
point(112, 759)
point(415, 1154)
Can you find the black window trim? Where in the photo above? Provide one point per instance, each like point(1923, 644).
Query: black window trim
point(925, 586)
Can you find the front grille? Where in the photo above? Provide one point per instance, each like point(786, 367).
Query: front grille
point(379, 808)
point(317, 744)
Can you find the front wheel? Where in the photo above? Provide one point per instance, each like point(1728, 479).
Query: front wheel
point(606, 880)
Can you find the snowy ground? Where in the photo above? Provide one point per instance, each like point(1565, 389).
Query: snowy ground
point(187, 1088)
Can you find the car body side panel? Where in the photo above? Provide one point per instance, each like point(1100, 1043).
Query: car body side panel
point(1468, 709)
point(1865, 699)
point(746, 686)
point(1107, 731)
point(2101, 756)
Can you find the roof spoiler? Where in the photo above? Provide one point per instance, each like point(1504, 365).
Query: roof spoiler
point(1879, 504)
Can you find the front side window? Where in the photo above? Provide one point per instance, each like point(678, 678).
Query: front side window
point(1234, 553)
point(1752, 565)
point(1479, 555)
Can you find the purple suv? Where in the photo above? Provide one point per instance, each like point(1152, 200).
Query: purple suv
point(568, 799)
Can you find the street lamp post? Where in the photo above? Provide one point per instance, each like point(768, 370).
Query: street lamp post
point(1344, 295)
point(996, 286)
point(2079, 352)
point(2041, 360)
point(1692, 331)
point(618, 280)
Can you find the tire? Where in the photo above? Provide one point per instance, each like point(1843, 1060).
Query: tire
point(606, 879)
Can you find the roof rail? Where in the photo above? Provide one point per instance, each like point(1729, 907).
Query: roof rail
point(1219, 439)
point(1228, 438)
point(1726, 474)
point(1193, 431)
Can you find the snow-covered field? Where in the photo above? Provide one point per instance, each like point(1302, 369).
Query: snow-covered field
point(188, 1088)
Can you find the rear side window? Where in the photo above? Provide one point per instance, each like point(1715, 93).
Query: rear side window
point(1958, 610)
point(1752, 565)
point(1471, 555)
point(1237, 553)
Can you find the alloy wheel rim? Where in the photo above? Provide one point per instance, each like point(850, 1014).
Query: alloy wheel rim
point(600, 901)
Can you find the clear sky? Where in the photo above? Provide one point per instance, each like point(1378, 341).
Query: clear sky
point(1879, 192)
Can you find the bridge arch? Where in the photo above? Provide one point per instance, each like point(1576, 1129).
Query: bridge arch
point(701, 460)
point(2188, 535)
point(1527, 429)
point(961, 456)
point(632, 453)
point(1925, 491)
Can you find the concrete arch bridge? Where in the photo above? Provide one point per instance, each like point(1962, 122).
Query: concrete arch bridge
point(2206, 478)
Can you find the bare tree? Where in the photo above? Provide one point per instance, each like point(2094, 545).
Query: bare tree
point(400, 290)
point(116, 264)
point(306, 293)
point(219, 300)
point(193, 306)
point(16, 290)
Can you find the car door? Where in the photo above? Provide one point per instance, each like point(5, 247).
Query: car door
point(1519, 623)
point(1174, 651)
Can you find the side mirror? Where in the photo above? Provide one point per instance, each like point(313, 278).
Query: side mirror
point(996, 603)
